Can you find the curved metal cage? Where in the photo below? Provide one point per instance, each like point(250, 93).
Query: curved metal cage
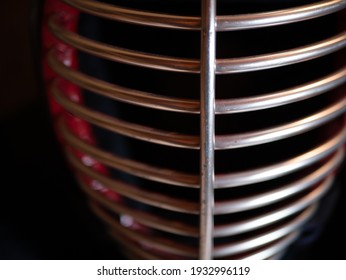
point(199, 129)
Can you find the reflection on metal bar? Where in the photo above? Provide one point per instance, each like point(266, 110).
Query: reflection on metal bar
point(226, 249)
point(223, 66)
point(222, 142)
point(257, 213)
point(221, 207)
point(274, 248)
point(265, 238)
point(241, 178)
point(222, 106)
point(281, 168)
point(207, 142)
point(276, 214)
point(281, 192)
point(153, 220)
point(279, 59)
point(300, 13)
point(224, 23)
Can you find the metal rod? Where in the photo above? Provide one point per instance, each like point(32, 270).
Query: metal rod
point(208, 42)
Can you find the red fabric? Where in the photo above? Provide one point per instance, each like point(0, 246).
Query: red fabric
point(68, 17)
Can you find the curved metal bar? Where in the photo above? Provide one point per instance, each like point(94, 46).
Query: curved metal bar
point(222, 180)
point(145, 171)
point(281, 168)
point(276, 214)
point(222, 106)
point(224, 23)
point(150, 220)
point(262, 136)
point(116, 92)
point(279, 59)
point(156, 242)
point(122, 55)
point(136, 16)
point(265, 238)
point(279, 98)
point(156, 199)
point(221, 207)
point(223, 66)
point(167, 246)
point(278, 17)
point(282, 192)
point(222, 142)
point(125, 128)
point(274, 248)
point(154, 221)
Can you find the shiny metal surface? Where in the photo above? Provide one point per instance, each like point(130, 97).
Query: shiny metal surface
point(154, 242)
point(281, 168)
point(224, 23)
point(207, 129)
point(222, 142)
point(155, 221)
point(251, 211)
point(221, 180)
point(222, 106)
point(223, 66)
point(279, 59)
point(281, 192)
point(160, 200)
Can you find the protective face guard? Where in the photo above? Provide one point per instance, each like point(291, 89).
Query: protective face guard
point(200, 131)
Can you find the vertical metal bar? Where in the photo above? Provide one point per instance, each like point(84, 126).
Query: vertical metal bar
point(207, 134)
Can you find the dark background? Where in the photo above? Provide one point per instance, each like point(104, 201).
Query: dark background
point(43, 214)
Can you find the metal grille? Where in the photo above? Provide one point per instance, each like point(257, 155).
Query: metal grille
point(229, 158)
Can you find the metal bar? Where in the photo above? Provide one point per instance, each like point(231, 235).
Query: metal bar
point(222, 106)
point(282, 168)
point(176, 64)
point(283, 58)
point(274, 18)
point(224, 23)
point(208, 62)
point(222, 142)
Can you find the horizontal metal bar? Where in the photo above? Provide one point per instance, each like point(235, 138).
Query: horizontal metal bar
point(145, 171)
point(118, 13)
point(222, 142)
point(223, 66)
point(222, 180)
point(281, 168)
point(151, 220)
point(278, 17)
point(224, 23)
point(281, 192)
point(263, 239)
point(167, 246)
point(283, 58)
point(136, 131)
point(283, 97)
point(223, 106)
point(161, 200)
point(154, 221)
point(150, 239)
point(135, 193)
point(273, 248)
point(275, 214)
point(123, 94)
point(284, 131)
point(120, 54)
